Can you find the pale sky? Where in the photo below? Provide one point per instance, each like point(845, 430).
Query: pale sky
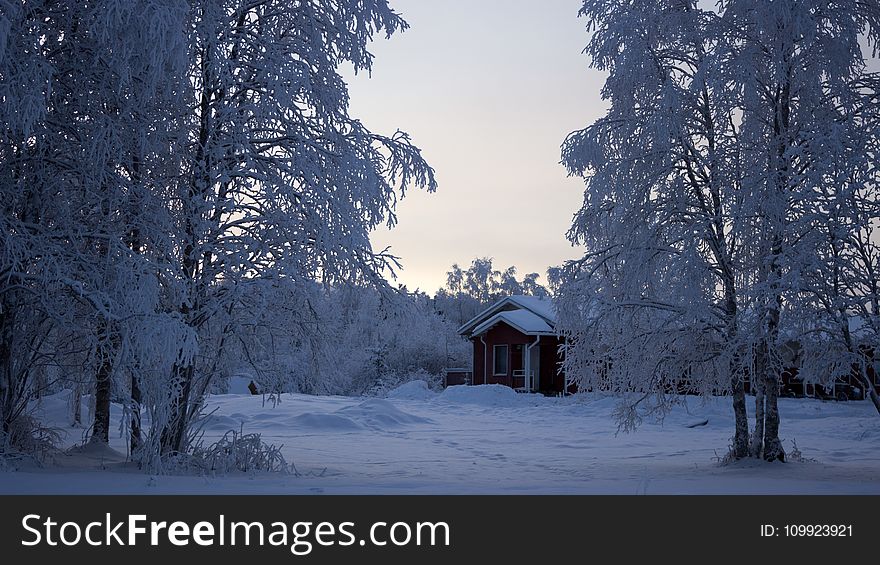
point(488, 89)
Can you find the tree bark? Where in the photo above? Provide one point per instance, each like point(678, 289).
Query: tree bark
point(768, 369)
point(101, 425)
point(781, 170)
point(741, 419)
point(5, 365)
point(76, 405)
point(135, 440)
point(757, 443)
point(770, 375)
point(773, 450)
point(173, 436)
point(737, 387)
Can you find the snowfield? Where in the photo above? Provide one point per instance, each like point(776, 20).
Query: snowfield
point(489, 439)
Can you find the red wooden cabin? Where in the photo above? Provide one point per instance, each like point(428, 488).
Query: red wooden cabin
point(515, 344)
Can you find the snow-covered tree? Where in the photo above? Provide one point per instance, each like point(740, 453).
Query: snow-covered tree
point(703, 182)
point(350, 340)
point(796, 68)
point(82, 85)
point(654, 306)
point(835, 305)
point(278, 181)
point(469, 291)
point(162, 160)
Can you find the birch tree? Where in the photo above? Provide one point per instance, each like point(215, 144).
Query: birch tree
point(655, 304)
point(278, 180)
point(731, 134)
point(79, 83)
point(161, 159)
point(795, 65)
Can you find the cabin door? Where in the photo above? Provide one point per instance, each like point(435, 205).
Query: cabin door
point(534, 366)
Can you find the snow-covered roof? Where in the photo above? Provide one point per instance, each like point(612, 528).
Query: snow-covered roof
point(524, 321)
point(530, 315)
point(543, 307)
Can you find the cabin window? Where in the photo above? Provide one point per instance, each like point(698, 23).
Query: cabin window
point(499, 361)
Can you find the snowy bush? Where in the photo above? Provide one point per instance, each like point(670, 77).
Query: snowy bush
point(27, 440)
point(797, 456)
point(237, 451)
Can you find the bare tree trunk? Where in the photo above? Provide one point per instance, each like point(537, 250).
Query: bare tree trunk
point(136, 439)
point(5, 384)
point(105, 334)
point(6, 396)
point(173, 435)
point(770, 375)
point(107, 349)
point(136, 245)
point(40, 383)
point(738, 392)
point(772, 446)
point(781, 170)
point(737, 388)
point(76, 405)
point(769, 370)
point(101, 425)
point(757, 443)
point(741, 426)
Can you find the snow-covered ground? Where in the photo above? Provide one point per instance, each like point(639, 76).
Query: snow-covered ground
point(488, 439)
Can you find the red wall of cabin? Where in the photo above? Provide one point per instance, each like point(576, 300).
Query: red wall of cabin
point(502, 334)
